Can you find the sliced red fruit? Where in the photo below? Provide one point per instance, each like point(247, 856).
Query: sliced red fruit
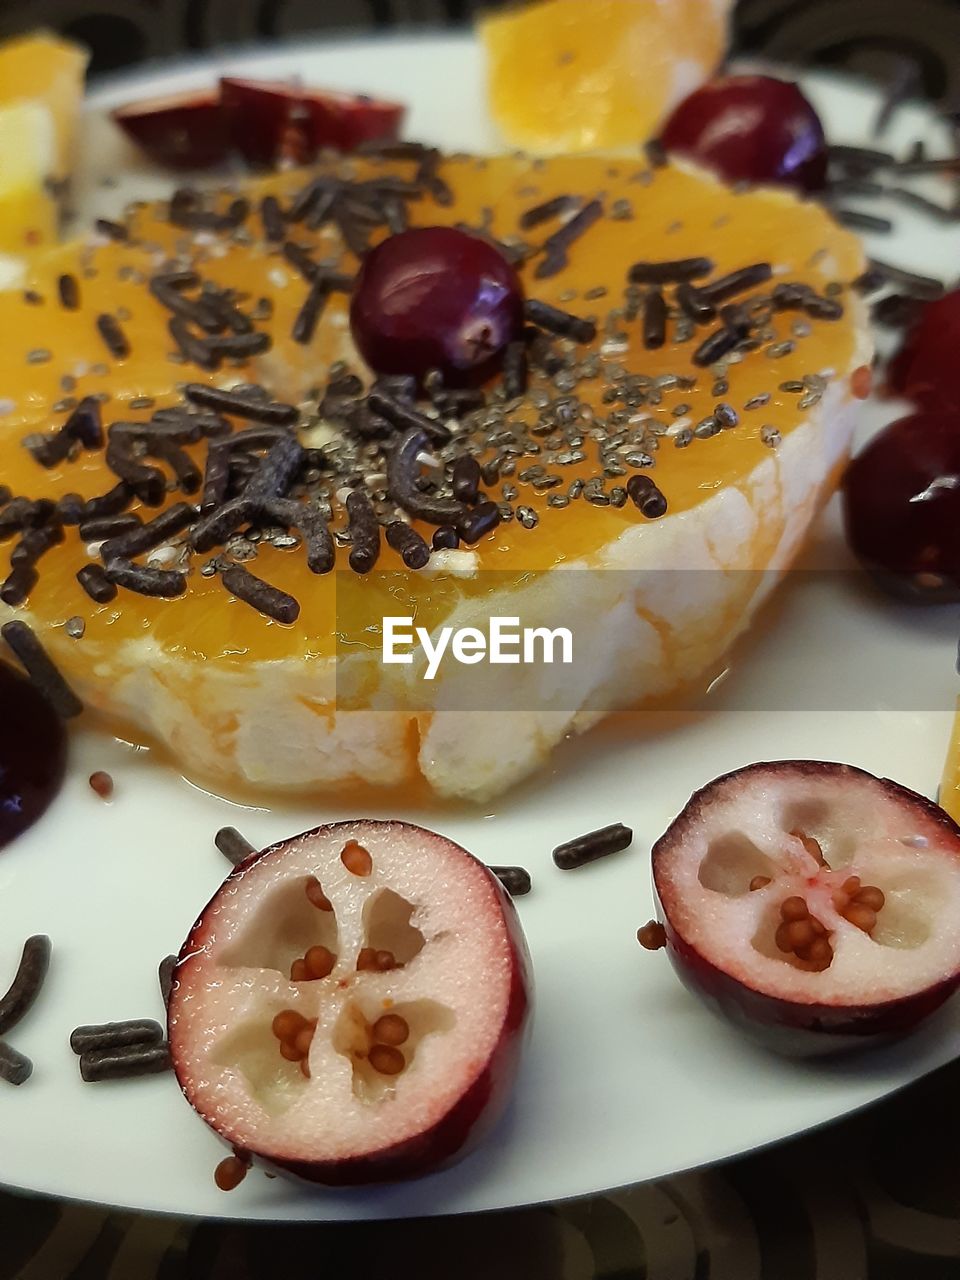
point(926, 369)
point(814, 905)
point(351, 1005)
point(436, 298)
point(183, 131)
point(275, 121)
point(901, 506)
point(754, 129)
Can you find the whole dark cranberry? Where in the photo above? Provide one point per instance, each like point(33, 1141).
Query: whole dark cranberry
point(926, 369)
point(33, 753)
point(901, 506)
point(751, 129)
point(436, 298)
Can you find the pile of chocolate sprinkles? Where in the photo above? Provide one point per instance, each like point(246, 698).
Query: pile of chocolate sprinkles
point(396, 456)
point(121, 1050)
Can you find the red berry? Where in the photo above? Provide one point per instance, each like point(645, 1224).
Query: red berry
point(436, 298)
point(926, 369)
point(751, 129)
point(181, 131)
point(33, 753)
point(901, 498)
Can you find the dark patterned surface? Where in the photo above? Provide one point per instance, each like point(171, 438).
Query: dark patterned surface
point(874, 1198)
point(870, 36)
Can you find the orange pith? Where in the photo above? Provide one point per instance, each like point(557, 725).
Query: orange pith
point(674, 214)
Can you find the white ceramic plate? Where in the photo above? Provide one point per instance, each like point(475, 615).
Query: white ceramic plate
point(627, 1078)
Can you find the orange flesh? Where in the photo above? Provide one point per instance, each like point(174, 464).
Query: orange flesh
point(675, 214)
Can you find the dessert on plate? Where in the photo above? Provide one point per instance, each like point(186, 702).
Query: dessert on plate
point(664, 378)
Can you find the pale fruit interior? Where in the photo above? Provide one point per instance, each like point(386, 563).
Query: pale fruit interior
point(751, 827)
point(427, 902)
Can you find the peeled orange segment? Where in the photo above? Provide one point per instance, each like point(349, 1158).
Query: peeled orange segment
point(41, 85)
point(572, 75)
point(244, 702)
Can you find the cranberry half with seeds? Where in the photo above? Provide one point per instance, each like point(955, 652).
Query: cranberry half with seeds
point(813, 905)
point(436, 298)
point(351, 1005)
point(754, 129)
point(901, 506)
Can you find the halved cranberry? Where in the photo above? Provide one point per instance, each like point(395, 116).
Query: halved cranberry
point(901, 505)
point(351, 1005)
point(814, 905)
point(753, 129)
point(272, 121)
point(436, 298)
point(33, 754)
point(926, 369)
point(182, 131)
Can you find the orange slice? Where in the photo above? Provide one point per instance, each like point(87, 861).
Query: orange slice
point(249, 702)
point(41, 85)
point(581, 75)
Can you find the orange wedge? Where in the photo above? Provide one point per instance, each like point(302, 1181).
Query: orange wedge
point(41, 86)
point(950, 782)
point(578, 75)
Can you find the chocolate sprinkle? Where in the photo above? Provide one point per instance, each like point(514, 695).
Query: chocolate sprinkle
point(654, 320)
point(15, 1067)
point(40, 668)
point(923, 287)
point(260, 595)
point(645, 495)
point(27, 983)
point(562, 323)
point(277, 470)
point(273, 225)
point(165, 973)
point(238, 405)
point(555, 247)
point(234, 847)
point(466, 479)
point(100, 1037)
point(693, 304)
point(159, 583)
point(593, 845)
point(445, 538)
point(146, 482)
point(18, 585)
point(116, 340)
point(86, 423)
point(68, 288)
point(859, 221)
point(125, 1063)
point(476, 524)
point(515, 371)
point(305, 324)
point(516, 880)
point(677, 271)
point(719, 344)
point(364, 530)
point(552, 208)
point(192, 348)
point(96, 584)
point(144, 537)
point(412, 548)
point(310, 524)
point(402, 471)
point(736, 282)
point(112, 230)
point(406, 418)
